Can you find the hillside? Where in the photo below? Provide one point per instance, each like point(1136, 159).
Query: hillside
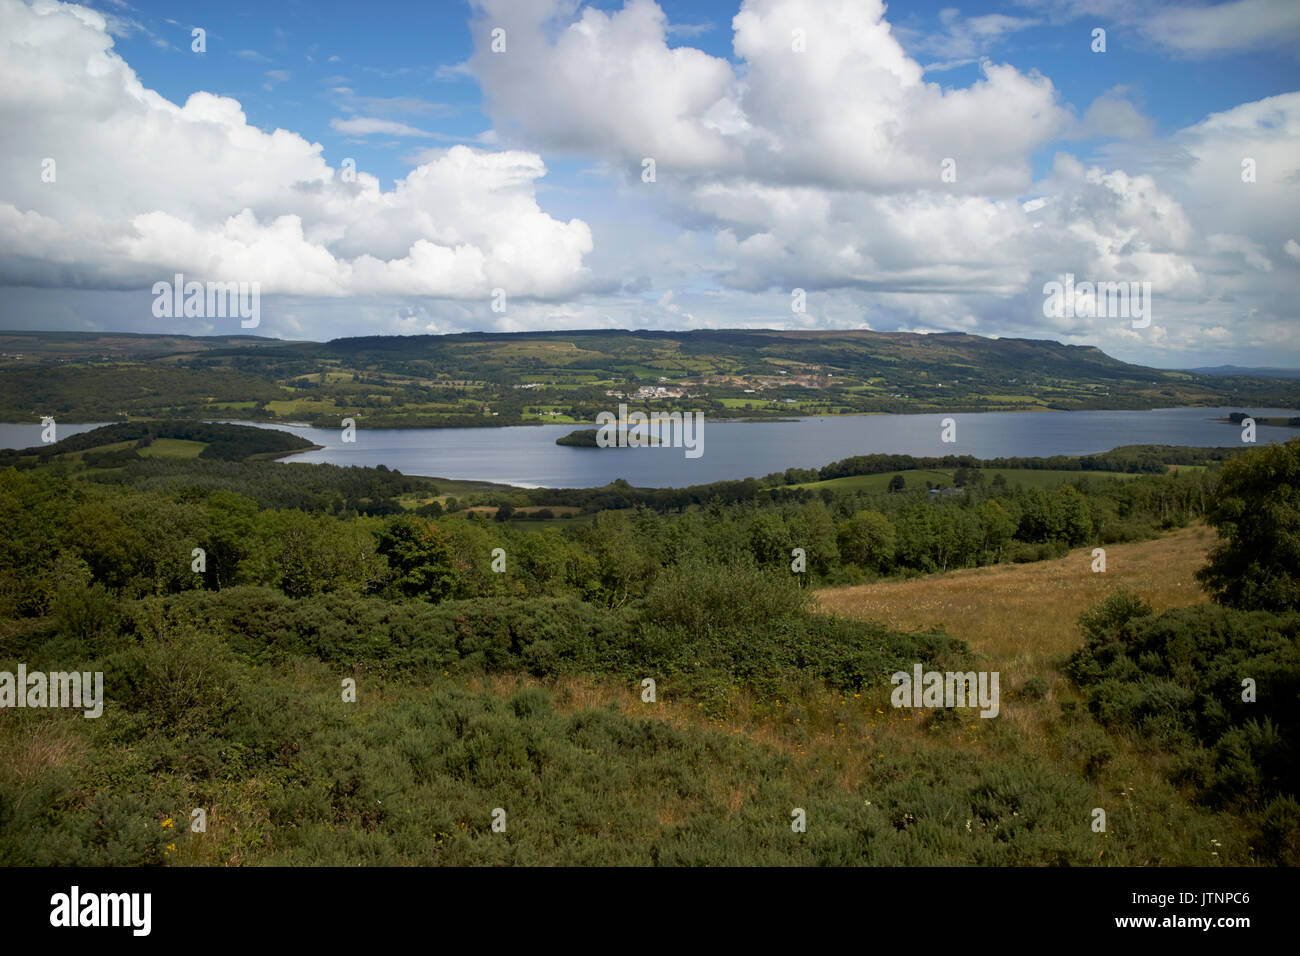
point(568, 377)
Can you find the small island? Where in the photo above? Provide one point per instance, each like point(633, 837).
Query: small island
point(119, 444)
point(586, 438)
point(1236, 418)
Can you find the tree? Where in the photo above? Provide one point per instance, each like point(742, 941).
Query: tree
point(419, 556)
point(542, 556)
point(1071, 518)
point(957, 536)
point(868, 540)
point(915, 530)
point(230, 536)
point(996, 527)
point(897, 483)
point(813, 529)
point(769, 539)
point(1256, 510)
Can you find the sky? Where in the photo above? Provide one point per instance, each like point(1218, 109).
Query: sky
point(513, 165)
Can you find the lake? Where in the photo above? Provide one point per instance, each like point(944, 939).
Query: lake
point(527, 455)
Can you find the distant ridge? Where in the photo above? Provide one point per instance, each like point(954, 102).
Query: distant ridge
point(477, 379)
point(1250, 372)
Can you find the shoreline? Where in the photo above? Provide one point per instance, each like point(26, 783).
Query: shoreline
point(730, 419)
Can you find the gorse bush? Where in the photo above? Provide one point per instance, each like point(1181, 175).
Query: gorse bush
point(1218, 689)
point(412, 773)
point(702, 628)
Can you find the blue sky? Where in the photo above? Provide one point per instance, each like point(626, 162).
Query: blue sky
point(526, 166)
point(405, 54)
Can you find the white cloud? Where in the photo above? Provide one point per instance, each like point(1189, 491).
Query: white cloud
point(615, 88)
point(612, 85)
point(1195, 29)
point(274, 77)
point(1113, 116)
point(1224, 27)
point(964, 39)
point(369, 125)
point(145, 188)
point(1251, 252)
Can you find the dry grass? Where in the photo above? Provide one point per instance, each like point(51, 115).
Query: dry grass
point(1024, 620)
point(31, 748)
point(1026, 615)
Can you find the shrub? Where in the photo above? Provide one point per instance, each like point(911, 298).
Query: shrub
point(1176, 681)
point(1256, 509)
point(1034, 689)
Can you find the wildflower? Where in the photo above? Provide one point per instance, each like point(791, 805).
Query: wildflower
point(167, 824)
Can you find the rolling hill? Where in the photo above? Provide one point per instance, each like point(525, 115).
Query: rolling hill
point(484, 378)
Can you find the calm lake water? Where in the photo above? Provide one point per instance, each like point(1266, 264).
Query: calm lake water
point(527, 455)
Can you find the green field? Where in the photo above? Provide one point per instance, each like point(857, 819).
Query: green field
point(173, 448)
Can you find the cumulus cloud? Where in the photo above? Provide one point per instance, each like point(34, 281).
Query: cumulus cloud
point(612, 84)
point(825, 95)
point(142, 187)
